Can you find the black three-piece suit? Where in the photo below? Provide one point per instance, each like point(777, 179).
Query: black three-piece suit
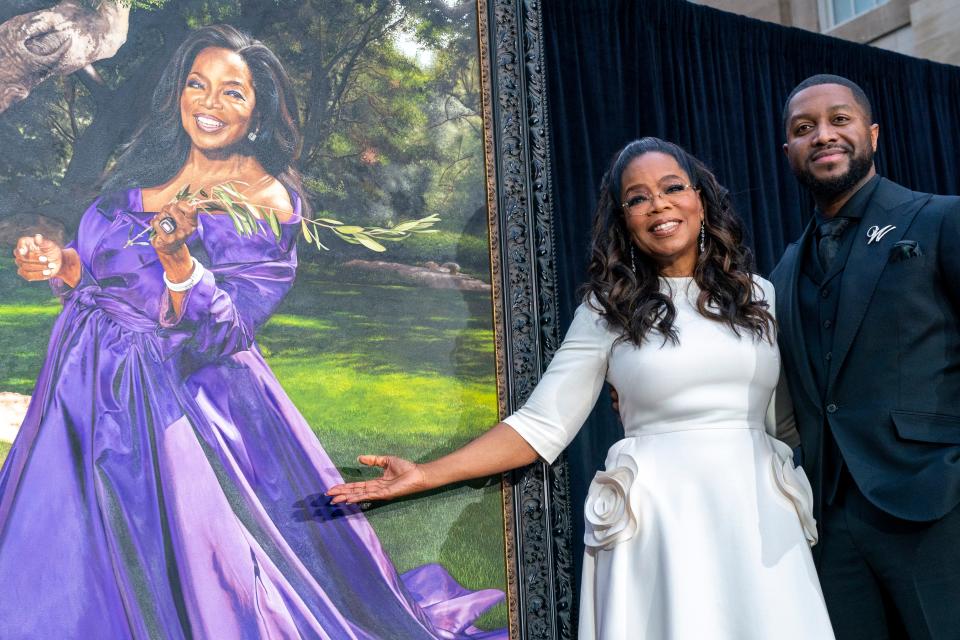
point(871, 352)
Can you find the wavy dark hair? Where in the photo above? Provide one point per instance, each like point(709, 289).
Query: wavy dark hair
point(160, 146)
point(623, 284)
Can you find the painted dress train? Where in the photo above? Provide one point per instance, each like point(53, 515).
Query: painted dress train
point(161, 483)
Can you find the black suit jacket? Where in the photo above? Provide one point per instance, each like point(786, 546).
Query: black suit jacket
point(893, 393)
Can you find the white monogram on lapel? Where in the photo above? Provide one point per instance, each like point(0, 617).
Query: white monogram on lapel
point(875, 233)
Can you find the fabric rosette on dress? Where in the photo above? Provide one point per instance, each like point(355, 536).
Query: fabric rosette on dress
point(793, 483)
point(612, 513)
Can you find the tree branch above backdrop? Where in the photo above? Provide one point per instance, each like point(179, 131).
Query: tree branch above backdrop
point(55, 42)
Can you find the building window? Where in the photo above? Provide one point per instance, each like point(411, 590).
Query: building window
point(836, 12)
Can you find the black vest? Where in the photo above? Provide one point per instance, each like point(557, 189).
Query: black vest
point(819, 297)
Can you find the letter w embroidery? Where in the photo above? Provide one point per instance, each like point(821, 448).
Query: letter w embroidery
point(875, 233)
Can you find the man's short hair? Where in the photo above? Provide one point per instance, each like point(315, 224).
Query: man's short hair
point(827, 78)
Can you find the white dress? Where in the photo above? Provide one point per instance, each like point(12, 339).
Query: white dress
point(699, 527)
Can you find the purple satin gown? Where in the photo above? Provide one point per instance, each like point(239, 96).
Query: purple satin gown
point(164, 486)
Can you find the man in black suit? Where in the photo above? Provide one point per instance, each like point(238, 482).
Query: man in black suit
point(868, 303)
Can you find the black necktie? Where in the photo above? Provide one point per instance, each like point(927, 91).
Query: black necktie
point(829, 235)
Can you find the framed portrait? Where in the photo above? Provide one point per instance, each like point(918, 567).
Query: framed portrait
point(423, 307)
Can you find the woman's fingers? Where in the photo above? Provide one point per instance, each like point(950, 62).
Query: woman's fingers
point(367, 489)
point(355, 492)
point(34, 274)
point(168, 241)
point(351, 492)
point(400, 477)
point(187, 210)
point(22, 247)
point(32, 266)
point(28, 245)
point(37, 258)
point(374, 461)
point(172, 226)
point(182, 212)
point(38, 270)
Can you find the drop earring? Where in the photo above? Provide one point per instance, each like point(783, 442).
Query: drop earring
point(703, 236)
point(252, 136)
point(633, 260)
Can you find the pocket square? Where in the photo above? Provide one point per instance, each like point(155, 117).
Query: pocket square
point(904, 250)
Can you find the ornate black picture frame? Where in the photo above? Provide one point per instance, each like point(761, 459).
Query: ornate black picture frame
point(537, 499)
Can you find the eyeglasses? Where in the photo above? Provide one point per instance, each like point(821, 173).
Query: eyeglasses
point(642, 204)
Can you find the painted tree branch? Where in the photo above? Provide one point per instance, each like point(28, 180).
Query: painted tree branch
point(56, 42)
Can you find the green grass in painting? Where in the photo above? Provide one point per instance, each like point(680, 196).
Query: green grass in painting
point(373, 369)
point(27, 313)
point(24, 334)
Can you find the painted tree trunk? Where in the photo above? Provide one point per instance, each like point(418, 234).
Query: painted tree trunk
point(55, 42)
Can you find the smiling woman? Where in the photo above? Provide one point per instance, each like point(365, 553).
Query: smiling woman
point(160, 460)
point(664, 214)
point(218, 102)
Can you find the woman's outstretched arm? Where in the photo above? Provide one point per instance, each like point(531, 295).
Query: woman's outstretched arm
point(542, 428)
point(499, 449)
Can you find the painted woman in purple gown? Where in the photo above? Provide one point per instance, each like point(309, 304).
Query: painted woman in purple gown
point(152, 490)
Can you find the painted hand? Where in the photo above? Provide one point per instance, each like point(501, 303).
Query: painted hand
point(400, 477)
point(184, 218)
point(37, 258)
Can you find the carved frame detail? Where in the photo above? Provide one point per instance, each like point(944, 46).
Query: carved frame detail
point(517, 141)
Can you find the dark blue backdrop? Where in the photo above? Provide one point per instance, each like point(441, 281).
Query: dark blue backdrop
point(715, 83)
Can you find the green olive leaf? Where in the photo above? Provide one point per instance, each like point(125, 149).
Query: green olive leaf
point(369, 242)
point(274, 224)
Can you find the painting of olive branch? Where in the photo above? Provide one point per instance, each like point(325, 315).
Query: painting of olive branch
point(226, 198)
point(385, 342)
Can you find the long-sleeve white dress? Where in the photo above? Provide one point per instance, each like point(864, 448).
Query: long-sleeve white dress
point(699, 527)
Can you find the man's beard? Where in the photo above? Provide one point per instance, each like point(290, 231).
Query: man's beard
point(829, 188)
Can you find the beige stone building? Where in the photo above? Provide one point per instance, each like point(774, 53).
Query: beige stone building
point(922, 28)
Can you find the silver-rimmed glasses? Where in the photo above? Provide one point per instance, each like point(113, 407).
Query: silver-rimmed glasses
point(642, 203)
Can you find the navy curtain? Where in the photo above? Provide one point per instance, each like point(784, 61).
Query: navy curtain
point(715, 83)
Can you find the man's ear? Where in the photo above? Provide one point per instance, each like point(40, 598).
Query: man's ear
point(874, 135)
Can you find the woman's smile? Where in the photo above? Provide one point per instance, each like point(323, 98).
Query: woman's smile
point(208, 123)
point(665, 228)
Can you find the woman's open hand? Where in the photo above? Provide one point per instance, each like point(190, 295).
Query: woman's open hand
point(400, 477)
point(172, 226)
